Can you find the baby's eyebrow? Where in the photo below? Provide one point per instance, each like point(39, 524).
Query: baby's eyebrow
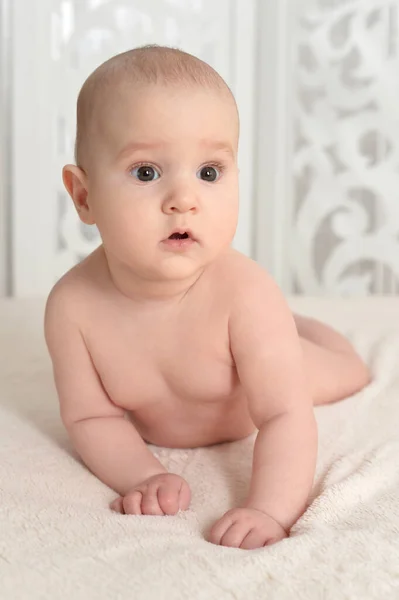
point(134, 146)
point(137, 146)
point(216, 145)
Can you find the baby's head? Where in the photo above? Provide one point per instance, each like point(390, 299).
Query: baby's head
point(156, 152)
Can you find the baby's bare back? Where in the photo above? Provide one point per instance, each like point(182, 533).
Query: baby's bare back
point(170, 367)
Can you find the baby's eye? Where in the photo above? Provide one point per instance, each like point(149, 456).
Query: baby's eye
point(145, 173)
point(209, 173)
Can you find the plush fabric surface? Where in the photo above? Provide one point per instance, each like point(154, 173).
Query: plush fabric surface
point(59, 540)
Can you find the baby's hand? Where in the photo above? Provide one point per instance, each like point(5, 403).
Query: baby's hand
point(162, 494)
point(246, 528)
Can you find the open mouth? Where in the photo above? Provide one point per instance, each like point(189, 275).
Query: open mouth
point(180, 240)
point(179, 236)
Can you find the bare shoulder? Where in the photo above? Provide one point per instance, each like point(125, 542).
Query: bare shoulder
point(243, 280)
point(258, 310)
point(70, 297)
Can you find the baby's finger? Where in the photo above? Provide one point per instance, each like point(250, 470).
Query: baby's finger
point(132, 503)
point(219, 529)
point(149, 503)
point(184, 496)
point(234, 535)
point(117, 505)
point(168, 499)
point(274, 538)
point(254, 539)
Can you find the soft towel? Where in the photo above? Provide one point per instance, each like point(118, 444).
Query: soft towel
point(59, 540)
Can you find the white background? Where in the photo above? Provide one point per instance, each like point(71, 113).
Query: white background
point(316, 82)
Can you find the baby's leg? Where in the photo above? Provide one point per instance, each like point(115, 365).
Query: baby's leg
point(334, 368)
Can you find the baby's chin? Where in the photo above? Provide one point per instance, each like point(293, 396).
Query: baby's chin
point(179, 268)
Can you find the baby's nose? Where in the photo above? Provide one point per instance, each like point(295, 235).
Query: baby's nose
point(182, 200)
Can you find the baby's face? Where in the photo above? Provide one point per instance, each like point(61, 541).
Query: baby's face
point(165, 160)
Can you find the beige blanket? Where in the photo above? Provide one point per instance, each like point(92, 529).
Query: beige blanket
point(59, 540)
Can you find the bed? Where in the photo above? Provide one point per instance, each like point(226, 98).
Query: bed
point(59, 540)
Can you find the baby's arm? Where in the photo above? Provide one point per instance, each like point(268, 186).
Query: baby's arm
point(269, 362)
point(108, 444)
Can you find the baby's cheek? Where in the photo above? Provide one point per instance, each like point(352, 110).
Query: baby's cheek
point(226, 225)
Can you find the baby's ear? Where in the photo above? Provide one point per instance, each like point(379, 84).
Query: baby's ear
point(75, 181)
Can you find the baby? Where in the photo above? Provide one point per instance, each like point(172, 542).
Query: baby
point(165, 334)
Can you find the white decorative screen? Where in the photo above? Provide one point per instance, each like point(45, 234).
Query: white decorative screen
point(345, 213)
point(327, 176)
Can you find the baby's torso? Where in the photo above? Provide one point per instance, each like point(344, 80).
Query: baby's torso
point(171, 369)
